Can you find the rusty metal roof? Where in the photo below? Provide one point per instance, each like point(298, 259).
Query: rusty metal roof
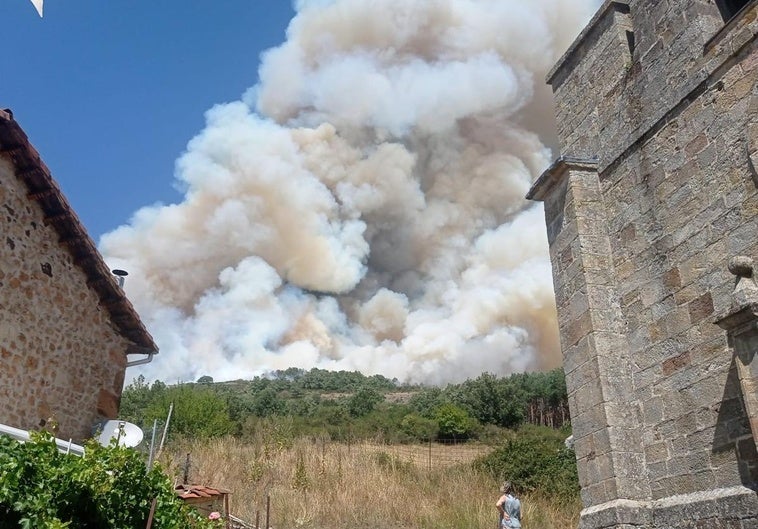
point(188, 492)
point(43, 189)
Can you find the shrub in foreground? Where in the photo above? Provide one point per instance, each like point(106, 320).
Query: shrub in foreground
point(535, 460)
point(109, 487)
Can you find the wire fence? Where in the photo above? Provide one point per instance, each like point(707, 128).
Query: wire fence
point(429, 456)
point(254, 471)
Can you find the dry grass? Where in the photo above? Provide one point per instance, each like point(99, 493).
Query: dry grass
point(347, 487)
point(427, 456)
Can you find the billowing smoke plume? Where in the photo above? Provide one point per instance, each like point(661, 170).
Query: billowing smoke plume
point(363, 207)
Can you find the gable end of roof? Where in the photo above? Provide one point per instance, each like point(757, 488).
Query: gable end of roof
point(58, 214)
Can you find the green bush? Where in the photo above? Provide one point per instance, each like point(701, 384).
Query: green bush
point(199, 412)
point(419, 428)
point(109, 487)
point(535, 459)
point(363, 401)
point(454, 422)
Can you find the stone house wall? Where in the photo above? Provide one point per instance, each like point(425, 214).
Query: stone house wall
point(59, 357)
point(66, 326)
point(657, 108)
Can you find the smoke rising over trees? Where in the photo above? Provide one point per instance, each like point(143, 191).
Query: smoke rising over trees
point(362, 207)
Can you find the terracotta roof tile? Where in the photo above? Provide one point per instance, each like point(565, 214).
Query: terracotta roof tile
point(198, 491)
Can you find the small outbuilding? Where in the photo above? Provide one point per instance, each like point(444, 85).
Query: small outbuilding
point(206, 500)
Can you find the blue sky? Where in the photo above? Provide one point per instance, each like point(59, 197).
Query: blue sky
point(110, 92)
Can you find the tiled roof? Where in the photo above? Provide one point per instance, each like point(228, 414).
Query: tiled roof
point(187, 492)
point(42, 188)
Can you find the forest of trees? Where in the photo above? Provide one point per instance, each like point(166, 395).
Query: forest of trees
point(348, 405)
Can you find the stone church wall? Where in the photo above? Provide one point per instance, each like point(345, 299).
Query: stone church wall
point(657, 107)
point(60, 357)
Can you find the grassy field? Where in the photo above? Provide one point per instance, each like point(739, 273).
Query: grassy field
point(322, 485)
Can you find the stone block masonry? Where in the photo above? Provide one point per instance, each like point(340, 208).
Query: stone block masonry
point(657, 106)
point(59, 357)
point(65, 326)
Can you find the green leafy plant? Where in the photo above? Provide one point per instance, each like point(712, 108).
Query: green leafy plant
point(109, 487)
point(535, 460)
point(364, 401)
point(418, 427)
point(454, 422)
point(300, 480)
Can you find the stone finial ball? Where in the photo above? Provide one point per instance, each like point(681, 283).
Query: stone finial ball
point(741, 266)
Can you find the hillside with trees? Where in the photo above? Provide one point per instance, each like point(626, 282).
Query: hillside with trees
point(346, 405)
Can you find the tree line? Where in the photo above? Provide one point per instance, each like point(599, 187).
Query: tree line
point(344, 405)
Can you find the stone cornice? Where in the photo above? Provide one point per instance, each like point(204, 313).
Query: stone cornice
point(553, 174)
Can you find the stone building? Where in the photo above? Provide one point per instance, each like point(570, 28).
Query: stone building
point(654, 193)
point(66, 327)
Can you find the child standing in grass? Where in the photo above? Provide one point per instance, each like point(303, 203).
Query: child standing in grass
point(509, 508)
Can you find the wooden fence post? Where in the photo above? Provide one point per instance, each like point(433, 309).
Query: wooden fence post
point(152, 513)
point(186, 469)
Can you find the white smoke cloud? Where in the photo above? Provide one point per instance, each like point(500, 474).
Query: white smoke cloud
point(362, 207)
